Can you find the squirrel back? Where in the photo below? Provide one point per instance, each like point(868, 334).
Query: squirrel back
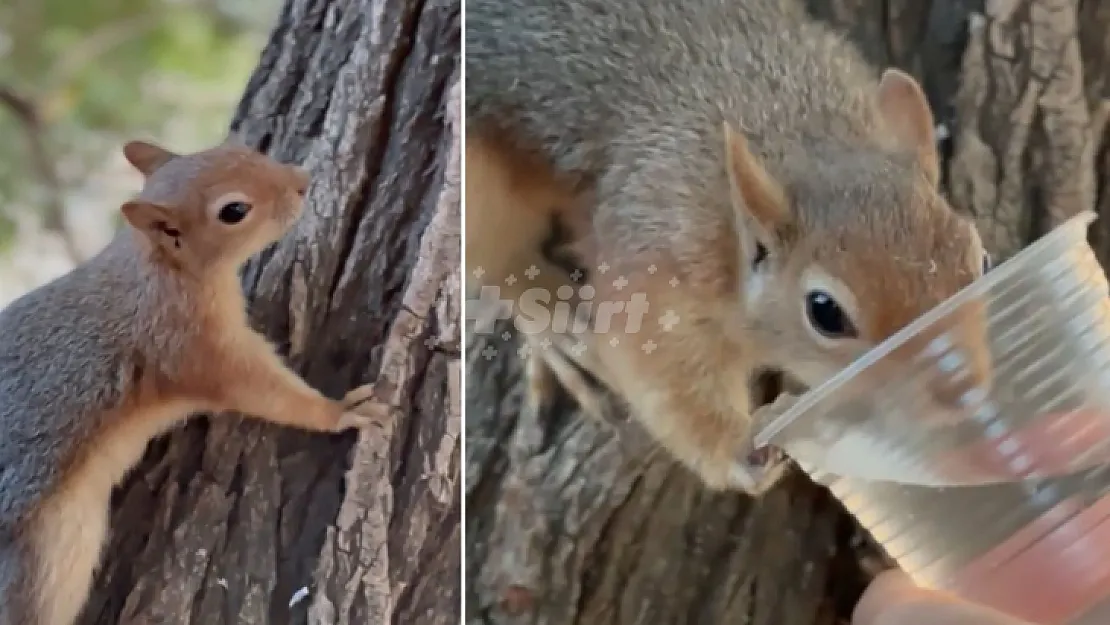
point(92, 316)
point(119, 325)
point(617, 74)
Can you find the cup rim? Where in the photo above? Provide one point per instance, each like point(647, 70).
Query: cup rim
point(1069, 229)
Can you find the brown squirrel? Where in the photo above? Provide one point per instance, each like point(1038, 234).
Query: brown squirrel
point(153, 329)
point(741, 167)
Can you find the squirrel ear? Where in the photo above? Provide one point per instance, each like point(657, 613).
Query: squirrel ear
point(152, 220)
point(905, 110)
point(754, 191)
point(146, 157)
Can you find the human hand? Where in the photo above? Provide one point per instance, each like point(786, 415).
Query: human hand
point(893, 599)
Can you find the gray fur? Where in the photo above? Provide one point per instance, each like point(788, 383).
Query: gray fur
point(603, 71)
point(14, 566)
point(630, 96)
point(70, 351)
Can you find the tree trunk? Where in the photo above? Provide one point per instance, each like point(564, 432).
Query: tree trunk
point(567, 523)
point(229, 521)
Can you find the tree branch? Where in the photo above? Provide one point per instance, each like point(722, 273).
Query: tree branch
point(26, 112)
point(20, 106)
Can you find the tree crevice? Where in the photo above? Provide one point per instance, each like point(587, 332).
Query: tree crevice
point(226, 519)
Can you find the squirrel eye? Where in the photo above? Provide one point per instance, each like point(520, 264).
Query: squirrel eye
point(827, 317)
point(987, 263)
point(234, 212)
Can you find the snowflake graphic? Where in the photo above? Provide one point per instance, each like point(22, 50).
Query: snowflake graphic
point(532, 272)
point(430, 342)
point(578, 349)
point(511, 280)
point(524, 351)
point(649, 346)
point(576, 275)
point(546, 343)
point(506, 335)
point(489, 352)
point(478, 273)
point(614, 341)
point(668, 320)
point(674, 282)
point(620, 283)
point(603, 268)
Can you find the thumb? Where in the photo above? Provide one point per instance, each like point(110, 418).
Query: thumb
point(893, 599)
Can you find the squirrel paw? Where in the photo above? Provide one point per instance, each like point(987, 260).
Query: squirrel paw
point(595, 405)
point(553, 369)
point(760, 469)
point(363, 408)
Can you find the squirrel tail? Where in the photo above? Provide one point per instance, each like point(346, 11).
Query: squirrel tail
point(46, 572)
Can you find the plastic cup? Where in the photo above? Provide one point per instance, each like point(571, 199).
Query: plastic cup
point(1004, 496)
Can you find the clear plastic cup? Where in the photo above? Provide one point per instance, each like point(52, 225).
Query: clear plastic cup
point(1003, 495)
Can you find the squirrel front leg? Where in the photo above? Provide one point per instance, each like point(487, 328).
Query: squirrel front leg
point(688, 386)
point(714, 444)
point(546, 368)
point(262, 386)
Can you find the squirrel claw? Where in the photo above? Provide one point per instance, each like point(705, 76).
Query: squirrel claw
point(352, 420)
point(367, 415)
point(367, 393)
point(758, 470)
point(363, 408)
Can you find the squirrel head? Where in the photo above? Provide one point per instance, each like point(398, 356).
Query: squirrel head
point(211, 209)
point(847, 244)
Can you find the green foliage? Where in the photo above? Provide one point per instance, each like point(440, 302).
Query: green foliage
point(99, 72)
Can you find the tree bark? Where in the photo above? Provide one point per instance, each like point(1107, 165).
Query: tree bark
point(569, 523)
point(230, 521)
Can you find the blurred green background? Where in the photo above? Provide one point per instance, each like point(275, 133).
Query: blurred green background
point(80, 77)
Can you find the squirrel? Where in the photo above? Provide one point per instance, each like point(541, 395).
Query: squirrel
point(741, 167)
point(151, 330)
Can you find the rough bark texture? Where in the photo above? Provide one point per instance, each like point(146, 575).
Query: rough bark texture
point(567, 524)
point(229, 521)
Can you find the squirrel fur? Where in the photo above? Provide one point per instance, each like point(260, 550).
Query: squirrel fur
point(741, 166)
point(153, 329)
